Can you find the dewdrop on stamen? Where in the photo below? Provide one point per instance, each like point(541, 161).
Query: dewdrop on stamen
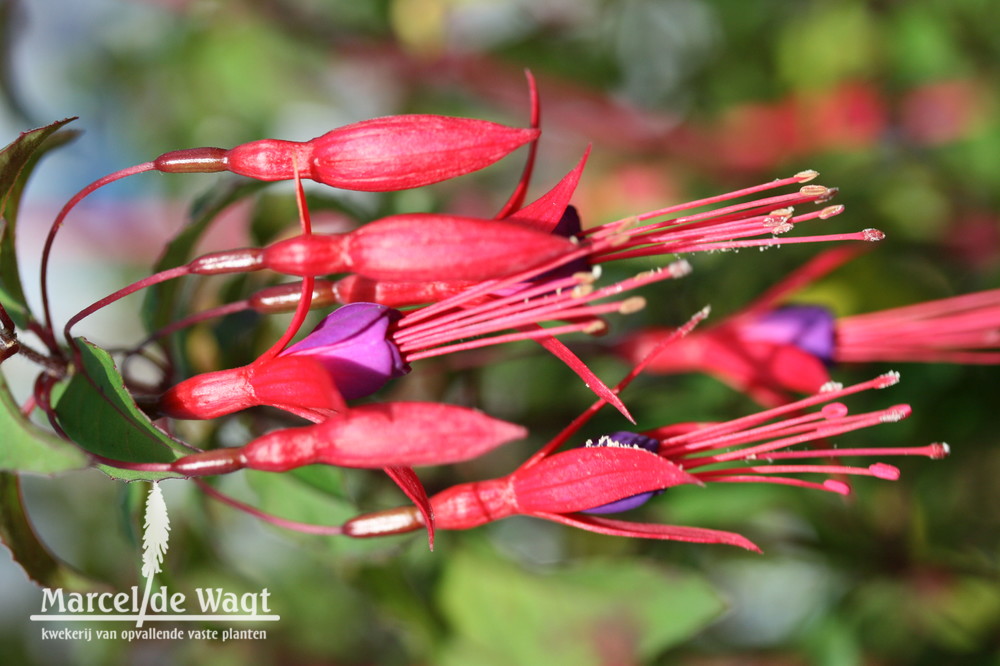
point(834, 410)
point(830, 387)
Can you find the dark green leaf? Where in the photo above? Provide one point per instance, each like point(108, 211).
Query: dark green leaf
point(99, 414)
point(576, 616)
point(16, 163)
point(38, 563)
point(28, 448)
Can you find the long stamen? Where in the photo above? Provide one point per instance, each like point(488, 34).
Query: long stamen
point(734, 213)
point(879, 470)
point(829, 485)
point(802, 177)
point(833, 427)
point(834, 393)
point(556, 306)
point(865, 235)
point(963, 329)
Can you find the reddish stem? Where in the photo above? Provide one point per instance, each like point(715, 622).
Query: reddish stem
point(48, 335)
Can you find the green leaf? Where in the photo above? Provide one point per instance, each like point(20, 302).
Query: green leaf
point(28, 448)
point(39, 564)
point(99, 414)
point(574, 616)
point(16, 163)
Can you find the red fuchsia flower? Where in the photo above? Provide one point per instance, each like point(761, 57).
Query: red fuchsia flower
point(623, 470)
point(361, 346)
point(762, 222)
point(770, 351)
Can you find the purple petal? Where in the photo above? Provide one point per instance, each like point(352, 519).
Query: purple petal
point(353, 343)
point(808, 327)
point(634, 440)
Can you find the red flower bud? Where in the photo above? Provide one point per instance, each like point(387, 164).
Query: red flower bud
point(384, 435)
point(377, 155)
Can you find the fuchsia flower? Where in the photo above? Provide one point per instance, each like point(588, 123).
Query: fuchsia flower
point(621, 471)
point(361, 346)
point(763, 222)
point(769, 351)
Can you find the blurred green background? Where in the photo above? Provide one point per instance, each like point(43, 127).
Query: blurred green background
point(893, 102)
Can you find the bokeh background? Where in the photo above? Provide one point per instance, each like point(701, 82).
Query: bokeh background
point(893, 102)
